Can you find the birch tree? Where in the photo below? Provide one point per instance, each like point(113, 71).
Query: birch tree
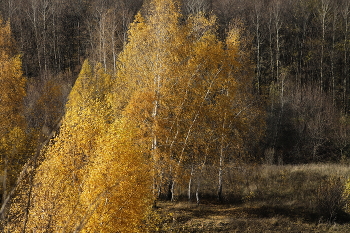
point(323, 14)
point(177, 75)
point(12, 121)
point(57, 184)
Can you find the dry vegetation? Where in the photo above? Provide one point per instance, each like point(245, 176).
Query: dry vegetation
point(292, 198)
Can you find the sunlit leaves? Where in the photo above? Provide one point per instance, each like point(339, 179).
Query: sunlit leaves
point(95, 177)
point(176, 100)
point(117, 191)
point(12, 93)
point(185, 86)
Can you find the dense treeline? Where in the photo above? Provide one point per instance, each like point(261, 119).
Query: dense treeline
point(56, 36)
point(300, 51)
point(305, 40)
point(154, 91)
point(295, 45)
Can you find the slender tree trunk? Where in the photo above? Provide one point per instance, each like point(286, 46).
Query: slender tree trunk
point(200, 179)
point(114, 54)
point(272, 68)
point(55, 43)
point(323, 14)
point(173, 190)
point(189, 132)
point(221, 163)
point(345, 70)
point(4, 181)
point(345, 48)
point(197, 191)
point(154, 135)
point(277, 28)
point(36, 33)
point(190, 184)
point(44, 35)
point(301, 59)
point(258, 42)
point(322, 54)
point(332, 56)
point(102, 35)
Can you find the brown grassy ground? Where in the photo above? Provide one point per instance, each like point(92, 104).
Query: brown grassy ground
point(270, 199)
point(183, 217)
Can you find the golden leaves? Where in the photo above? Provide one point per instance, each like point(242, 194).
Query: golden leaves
point(93, 168)
point(12, 93)
point(176, 99)
point(118, 186)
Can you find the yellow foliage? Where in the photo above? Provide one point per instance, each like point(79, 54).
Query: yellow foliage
point(346, 195)
point(180, 95)
point(117, 191)
point(94, 177)
point(185, 88)
point(12, 122)
point(59, 178)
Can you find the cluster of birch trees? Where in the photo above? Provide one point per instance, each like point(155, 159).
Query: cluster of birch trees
point(108, 105)
point(178, 97)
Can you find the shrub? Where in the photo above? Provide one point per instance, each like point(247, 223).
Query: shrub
point(330, 201)
point(346, 195)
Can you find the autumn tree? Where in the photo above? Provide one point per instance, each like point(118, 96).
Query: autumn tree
point(181, 88)
point(67, 156)
point(151, 73)
point(71, 192)
point(12, 126)
point(117, 193)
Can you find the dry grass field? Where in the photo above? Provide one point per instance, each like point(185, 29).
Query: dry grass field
point(265, 198)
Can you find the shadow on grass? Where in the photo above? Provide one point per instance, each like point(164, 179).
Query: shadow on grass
point(297, 213)
point(262, 212)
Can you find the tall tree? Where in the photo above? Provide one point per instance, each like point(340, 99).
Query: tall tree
point(12, 121)
point(181, 71)
point(71, 192)
point(345, 13)
point(323, 11)
point(59, 177)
